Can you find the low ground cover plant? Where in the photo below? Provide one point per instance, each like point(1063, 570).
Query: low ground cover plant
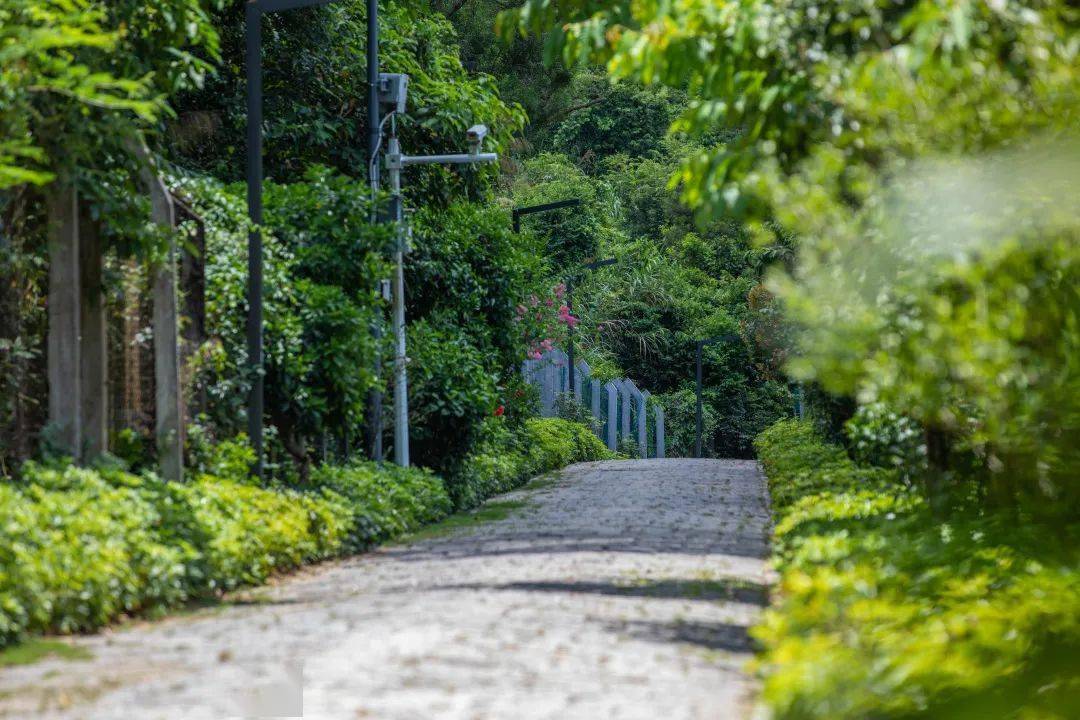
point(80, 547)
point(887, 610)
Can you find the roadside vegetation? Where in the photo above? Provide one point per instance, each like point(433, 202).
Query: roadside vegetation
point(885, 609)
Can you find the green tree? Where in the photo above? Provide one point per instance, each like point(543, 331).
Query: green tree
point(315, 85)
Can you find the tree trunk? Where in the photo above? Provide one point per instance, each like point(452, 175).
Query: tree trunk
point(64, 318)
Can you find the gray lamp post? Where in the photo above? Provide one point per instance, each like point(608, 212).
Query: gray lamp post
point(253, 12)
point(700, 345)
point(393, 90)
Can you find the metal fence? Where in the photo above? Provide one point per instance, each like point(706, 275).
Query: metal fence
point(623, 413)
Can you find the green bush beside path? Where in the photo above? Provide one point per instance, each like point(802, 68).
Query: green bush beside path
point(885, 610)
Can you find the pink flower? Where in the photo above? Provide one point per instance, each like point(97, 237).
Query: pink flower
point(546, 344)
point(560, 290)
point(521, 310)
point(566, 317)
point(549, 302)
point(533, 300)
point(535, 355)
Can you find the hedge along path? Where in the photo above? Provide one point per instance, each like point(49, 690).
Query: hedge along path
point(619, 589)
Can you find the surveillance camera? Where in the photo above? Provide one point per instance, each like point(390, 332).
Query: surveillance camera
point(476, 135)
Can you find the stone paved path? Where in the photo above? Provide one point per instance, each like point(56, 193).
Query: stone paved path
point(620, 590)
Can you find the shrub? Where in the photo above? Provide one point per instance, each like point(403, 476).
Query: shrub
point(80, 547)
point(879, 436)
point(507, 458)
point(250, 532)
point(798, 464)
point(384, 502)
point(76, 551)
point(451, 391)
point(884, 611)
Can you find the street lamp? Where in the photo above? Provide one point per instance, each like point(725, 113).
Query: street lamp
point(547, 207)
point(700, 344)
point(393, 93)
point(570, 308)
point(253, 12)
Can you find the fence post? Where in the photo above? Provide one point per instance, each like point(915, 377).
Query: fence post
point(547, 387)
point(594, 404)
point(642, 424)
point(612, 415)
point(624, 403)
point(563, 370)
point(584, 372)
point(660, 449)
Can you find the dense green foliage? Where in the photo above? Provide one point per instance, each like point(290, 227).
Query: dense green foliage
point(674, 283)
point(78, 77)
point(93, 78)
point(466, 275)
point(315, 90)
point(382, 503)
point(322, 265)
point(885, 611)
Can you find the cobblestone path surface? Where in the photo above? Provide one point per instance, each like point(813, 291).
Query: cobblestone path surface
point(615, 590)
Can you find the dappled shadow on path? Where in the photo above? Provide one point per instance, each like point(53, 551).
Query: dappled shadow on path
point(707, 635)
point(725, 590)
point(697, 508)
